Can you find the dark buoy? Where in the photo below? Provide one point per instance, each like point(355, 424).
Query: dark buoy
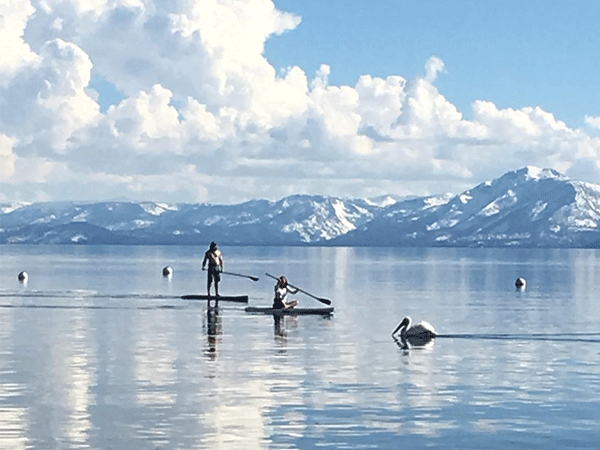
point(520, 283)
point(167, 271)
point(23, 276)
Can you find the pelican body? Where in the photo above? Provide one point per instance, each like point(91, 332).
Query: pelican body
point(422, 330)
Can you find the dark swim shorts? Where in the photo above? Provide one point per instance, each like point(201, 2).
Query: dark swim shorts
point(214, 273)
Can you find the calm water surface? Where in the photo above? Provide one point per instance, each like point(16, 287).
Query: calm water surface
point(97, 350)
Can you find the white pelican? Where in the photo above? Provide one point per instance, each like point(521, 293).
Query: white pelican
point(423, 330)
point(520, 283)
point(167, 271)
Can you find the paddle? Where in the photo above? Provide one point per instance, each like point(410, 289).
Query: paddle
point(322, 300)
point(239, 275)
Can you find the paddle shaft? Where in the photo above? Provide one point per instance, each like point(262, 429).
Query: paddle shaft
point(322, 300)
point(239, 275)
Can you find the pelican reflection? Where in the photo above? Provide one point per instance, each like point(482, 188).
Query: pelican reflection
point(414, 342)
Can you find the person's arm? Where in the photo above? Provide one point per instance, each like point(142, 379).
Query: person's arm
point(292, 291)
point(221, 261)
point(204, 261)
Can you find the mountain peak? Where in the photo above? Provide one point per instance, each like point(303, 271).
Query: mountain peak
point(537, 173)
point(523, 175)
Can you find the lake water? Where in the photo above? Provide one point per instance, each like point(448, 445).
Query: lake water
point(98, 352)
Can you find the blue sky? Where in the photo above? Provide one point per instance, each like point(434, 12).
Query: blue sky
point(513, 53)
point(224, 101)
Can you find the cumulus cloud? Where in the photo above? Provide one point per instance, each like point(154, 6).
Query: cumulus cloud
point(593, 121)
point(206, 117)
point(45, 101)
point(434, 66)
point(14, 51)
point(7, 157)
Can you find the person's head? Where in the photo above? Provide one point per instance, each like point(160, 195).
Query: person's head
point(282, 281)
point(213, 245)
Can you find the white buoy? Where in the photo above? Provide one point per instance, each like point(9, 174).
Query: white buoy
point(23, 276)
point(167, 271)
point(520, 283)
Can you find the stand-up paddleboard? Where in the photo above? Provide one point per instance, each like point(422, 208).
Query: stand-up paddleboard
point(290, 311)
point(222, 298)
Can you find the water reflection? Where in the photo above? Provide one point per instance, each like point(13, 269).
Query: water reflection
point(281, 325)
point(278, 326)
point(214, 329)
point(103, 368)
point(13, 415)
point(408, 342)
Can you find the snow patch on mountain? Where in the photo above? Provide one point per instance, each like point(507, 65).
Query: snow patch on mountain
point(382, 201)
point(464, 198)
point(537, 173)
point(537, 210)
point(213, 220)
point(344, 216)
point(495, 207)
point(81, 217)
point(437, 200)
point(45, 219)
point(10, 207)
point(327, 219)
point(156, 209)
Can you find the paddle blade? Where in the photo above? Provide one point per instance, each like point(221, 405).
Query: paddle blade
point(324, 301)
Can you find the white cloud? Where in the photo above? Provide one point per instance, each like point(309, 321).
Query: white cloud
point(14, 51)
point(206, 117)
point(144, 119)
point(7, 157)
point(433, 67)
point(46, 101)
point(380, 103)
point(593, 121)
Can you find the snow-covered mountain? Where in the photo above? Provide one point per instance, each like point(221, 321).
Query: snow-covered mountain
point(529, 207)
point(294, 220)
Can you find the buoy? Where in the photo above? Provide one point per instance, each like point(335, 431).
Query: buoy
point(520, 283)
point(23, 276)
point(167, 271)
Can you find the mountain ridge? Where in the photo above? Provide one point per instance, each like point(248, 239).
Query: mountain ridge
point(528, 207)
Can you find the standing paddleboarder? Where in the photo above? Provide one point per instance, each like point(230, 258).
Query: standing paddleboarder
point(214, 257)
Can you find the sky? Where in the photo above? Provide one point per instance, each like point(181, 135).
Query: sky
point(223, 101)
